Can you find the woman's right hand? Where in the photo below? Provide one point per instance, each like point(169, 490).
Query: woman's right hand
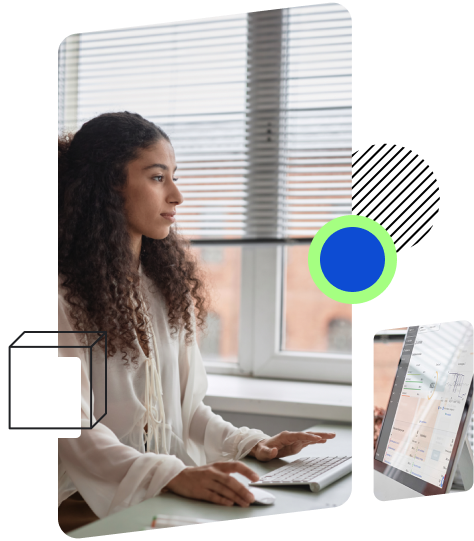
point(213, 483)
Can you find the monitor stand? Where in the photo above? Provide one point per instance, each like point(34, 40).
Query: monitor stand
point(387, 489)
point(465, 466)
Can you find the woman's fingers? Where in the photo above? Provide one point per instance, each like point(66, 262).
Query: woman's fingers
point(243, 498)
point(214, 497)
point(226, 485)
point(231, 488)
point(296, 447)
point(311, 437)
point(233, 484)
point(288, 438)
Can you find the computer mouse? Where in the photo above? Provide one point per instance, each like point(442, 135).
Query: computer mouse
point(262, 497)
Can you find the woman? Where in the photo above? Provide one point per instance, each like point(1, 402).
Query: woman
point(124, 271)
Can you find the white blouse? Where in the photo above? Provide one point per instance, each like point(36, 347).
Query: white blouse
point(108, 465)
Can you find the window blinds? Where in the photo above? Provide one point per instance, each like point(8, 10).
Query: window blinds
point(190, 79)
point(369, 73)
point(257, 107)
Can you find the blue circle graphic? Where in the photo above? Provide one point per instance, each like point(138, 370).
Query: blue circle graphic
point(352, 259)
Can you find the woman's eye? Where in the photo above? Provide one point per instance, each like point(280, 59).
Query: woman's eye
point(159, 178)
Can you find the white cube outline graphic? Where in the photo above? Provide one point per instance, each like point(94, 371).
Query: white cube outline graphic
point(102, 334)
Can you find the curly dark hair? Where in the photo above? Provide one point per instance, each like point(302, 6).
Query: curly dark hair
point(95, 256)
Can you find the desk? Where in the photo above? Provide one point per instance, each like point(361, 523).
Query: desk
point(288, 499)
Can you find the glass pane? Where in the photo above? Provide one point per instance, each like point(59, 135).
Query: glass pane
point(311, 321)
point(222, 265)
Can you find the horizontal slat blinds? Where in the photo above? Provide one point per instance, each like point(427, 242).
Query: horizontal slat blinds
point(190, 79)
point(197, 81)
point(369, 73)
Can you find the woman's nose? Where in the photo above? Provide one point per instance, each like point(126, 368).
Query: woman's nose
point(175, 196)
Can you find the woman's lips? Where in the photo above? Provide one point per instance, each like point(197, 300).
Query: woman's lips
point(169, 216)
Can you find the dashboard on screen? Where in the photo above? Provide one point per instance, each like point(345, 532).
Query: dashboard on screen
point(428, 402)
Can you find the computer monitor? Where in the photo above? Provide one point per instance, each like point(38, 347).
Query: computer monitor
point(423, 434)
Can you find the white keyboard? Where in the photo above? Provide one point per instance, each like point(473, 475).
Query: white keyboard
point(318, 472)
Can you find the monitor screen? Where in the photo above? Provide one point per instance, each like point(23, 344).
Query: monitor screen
point(427, 403)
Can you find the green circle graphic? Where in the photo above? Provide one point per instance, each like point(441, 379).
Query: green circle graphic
point(384, 290)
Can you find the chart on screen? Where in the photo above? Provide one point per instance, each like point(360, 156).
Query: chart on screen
point(432, 383)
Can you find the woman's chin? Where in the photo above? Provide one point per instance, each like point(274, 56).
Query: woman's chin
point(160, 234)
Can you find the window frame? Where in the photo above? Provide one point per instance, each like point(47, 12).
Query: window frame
point(260, 328)
point(261, 316)
point(262, 268)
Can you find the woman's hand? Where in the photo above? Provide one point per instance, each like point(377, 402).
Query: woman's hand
point(286, 444)
point(213, 483)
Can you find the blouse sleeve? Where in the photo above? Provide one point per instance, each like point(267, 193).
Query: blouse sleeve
point(109, 475)
point(222, 441)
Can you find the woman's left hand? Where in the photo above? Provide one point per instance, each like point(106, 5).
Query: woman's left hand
point(286, 444)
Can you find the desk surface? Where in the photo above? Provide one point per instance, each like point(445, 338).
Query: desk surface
point(288, 499)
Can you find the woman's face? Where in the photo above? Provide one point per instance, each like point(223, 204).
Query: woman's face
point(151, 195)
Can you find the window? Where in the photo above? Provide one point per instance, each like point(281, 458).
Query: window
point(311, 321)
point(258, 108)
point(348, 86)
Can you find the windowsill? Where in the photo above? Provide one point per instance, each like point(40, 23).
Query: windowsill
point(322, 401)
